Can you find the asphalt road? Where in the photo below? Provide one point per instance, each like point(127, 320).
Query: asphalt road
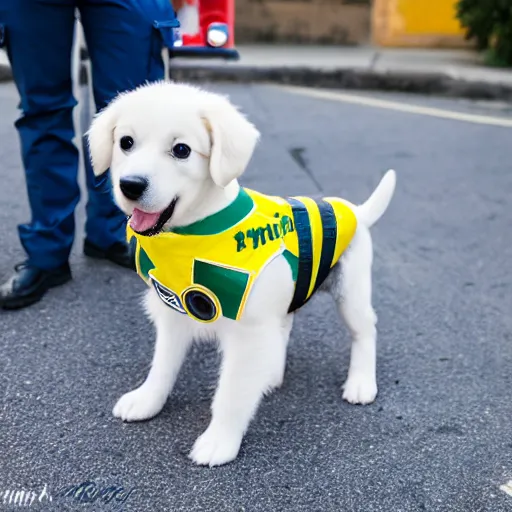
point(438, 437)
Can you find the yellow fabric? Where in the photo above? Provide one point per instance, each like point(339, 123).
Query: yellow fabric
point(247, 246)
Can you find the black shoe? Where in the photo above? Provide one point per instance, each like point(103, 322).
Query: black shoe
point(28, 285)
point(120, 253)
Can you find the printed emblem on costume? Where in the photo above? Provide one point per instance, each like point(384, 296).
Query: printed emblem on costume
point(201, 304)
point(168, 296)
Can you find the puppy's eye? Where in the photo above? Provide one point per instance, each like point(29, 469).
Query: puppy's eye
point(126, 143)
point(181, 151)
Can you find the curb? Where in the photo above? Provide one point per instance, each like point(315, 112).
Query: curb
point(437, 84)
point(355, 79)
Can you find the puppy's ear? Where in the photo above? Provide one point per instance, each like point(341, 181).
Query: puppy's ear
point(233, 141)
point(100, 138)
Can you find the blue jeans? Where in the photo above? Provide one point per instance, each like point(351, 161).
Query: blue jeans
point(124, 39)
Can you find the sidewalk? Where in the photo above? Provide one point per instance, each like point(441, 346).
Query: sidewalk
point(457, 73)
point(453, 63)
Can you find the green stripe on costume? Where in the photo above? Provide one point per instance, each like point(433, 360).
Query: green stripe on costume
point(220, 221)
point(227, 284)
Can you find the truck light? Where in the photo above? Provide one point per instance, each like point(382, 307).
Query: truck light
point(217, 34)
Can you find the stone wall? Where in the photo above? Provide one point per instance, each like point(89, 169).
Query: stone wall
point(342, 22)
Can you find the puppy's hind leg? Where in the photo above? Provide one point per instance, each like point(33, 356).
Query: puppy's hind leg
point(352, 290)
point(172, 342)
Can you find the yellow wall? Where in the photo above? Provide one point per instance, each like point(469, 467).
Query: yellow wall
point(416, 23)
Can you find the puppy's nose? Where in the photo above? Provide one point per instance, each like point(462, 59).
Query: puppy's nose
point(133, 186)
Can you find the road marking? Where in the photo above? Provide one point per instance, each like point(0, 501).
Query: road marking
point(401, 107)
point(507, 488)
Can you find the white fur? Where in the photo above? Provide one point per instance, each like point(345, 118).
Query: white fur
point(254, 348)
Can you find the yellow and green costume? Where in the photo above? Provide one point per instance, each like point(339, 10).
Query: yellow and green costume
point(207, 269)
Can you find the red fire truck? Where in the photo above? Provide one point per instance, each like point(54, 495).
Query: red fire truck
point(207, 29)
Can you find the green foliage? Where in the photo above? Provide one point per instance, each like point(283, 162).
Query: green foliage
point(489, 23)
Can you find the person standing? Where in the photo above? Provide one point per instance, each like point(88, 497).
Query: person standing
point(124, 39)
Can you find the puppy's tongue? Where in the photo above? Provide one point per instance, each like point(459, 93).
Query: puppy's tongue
point(141, 221)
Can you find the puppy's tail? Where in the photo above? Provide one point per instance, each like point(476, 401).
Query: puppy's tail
point(375, 206)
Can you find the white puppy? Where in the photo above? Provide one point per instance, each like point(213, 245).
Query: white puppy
point(181, 149)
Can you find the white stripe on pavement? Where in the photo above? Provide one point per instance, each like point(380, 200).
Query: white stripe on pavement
point(507, 488)
point(395, 105)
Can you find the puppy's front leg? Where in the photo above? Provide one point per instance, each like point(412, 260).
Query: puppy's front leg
point(247, 371)
point(172, 342)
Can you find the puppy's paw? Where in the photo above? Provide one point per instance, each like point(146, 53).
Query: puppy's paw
point(360, 389)
point(140, 404)
point(215, 447)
